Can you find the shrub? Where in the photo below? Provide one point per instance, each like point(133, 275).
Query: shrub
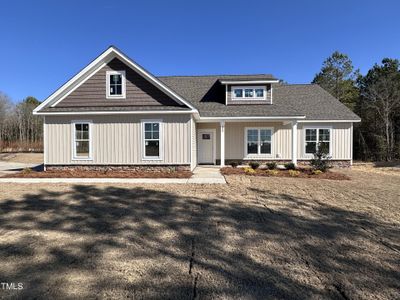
point(271, 165)
point(290, 166)
point(233, 164)
point(272, 172)
point(26, 171)
point(254, 165)
point(317, 172)
point(321, 158)
point(294, 173)
point(249, 170)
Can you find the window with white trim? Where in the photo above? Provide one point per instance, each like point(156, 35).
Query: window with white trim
point(315, 138)
point(81, 139)
point(151, 139)
point(116, 84)
point(249, 93)
point(258, 141)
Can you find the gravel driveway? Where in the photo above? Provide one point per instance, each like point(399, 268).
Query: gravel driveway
point(254, 238)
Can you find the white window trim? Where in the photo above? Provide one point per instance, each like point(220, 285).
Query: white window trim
point(310, 155)
point(160, 137)
point(258, 156)
point(233, 88)
point(74, 156)
point(123, 75)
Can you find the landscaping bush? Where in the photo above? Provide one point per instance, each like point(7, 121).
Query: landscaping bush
point(321, 158)
point(26, 171)
point(254, 165)
point(317, 172)
point(290, 166)
point(233, 164)
point(272, 172)
point(271, 165)
point(294, 173)
point(249, 170)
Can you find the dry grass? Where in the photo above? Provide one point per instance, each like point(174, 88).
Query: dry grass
point(255, 238)
point(300, 173)
point(27, 158)
point(390, 168)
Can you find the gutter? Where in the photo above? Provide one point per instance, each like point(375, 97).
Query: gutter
point(132, 112)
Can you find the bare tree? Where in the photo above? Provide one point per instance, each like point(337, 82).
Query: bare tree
point(5, 109)
point(383, 96)
point(19, 128)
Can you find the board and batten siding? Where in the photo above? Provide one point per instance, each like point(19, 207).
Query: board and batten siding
point(117, 140)
point(139, 91)
point(194, 144)
point(281, 139)
point(341, 141)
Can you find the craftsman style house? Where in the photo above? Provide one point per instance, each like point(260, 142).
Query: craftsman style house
point(114, 113)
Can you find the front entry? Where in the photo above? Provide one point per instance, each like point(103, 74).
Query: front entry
point(206, 150)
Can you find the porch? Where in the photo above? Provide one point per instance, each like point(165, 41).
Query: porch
point(218, 143)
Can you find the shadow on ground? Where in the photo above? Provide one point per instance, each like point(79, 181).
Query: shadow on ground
point(145, 243)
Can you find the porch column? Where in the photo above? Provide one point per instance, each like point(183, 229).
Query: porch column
point(294, 142)
point(222, 126)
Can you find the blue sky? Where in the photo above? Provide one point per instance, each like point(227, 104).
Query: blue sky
point(44, 43)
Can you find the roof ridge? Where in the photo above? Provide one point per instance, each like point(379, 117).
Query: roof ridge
point(216, 75)
point(298, 84)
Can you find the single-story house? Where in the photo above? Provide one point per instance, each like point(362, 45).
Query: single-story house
point(116, 114)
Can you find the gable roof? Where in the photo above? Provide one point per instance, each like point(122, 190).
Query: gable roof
point(205, 95)
point(308, 100)
point(109, 54)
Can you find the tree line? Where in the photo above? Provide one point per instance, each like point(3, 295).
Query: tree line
point(20, 130)
point(375, 98)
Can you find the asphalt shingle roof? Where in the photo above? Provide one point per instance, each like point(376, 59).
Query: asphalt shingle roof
point(310, 100)
point(207, 94)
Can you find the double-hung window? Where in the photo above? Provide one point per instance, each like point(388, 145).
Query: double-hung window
point(249, 93)
point(152, 139)
point(116, 84)
point(315, 138)
point(258, 141)
point(81, 140)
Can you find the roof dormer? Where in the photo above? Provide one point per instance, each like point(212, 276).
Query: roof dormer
point(248, 91)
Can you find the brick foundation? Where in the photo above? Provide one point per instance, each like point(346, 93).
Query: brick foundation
point(333, 163)
point(122, 168)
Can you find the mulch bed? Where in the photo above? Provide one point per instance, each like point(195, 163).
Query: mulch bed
point(100, 174)
point(304, 173)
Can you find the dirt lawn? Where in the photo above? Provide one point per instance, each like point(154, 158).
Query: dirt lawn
point(254, 238)
point(27, 158)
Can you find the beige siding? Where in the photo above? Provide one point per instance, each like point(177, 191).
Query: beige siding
point(193, 144)
point(340, 139)
point(235, 135)
point(117, 139)
point(281, 139)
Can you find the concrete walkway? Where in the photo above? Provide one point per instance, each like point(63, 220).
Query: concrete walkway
point(201, 175)
point(207, 174)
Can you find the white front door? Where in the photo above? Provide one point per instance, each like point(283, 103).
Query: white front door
point(206, 151)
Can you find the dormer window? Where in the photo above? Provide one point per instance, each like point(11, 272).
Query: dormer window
point(249, 93)
point(116, 84)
